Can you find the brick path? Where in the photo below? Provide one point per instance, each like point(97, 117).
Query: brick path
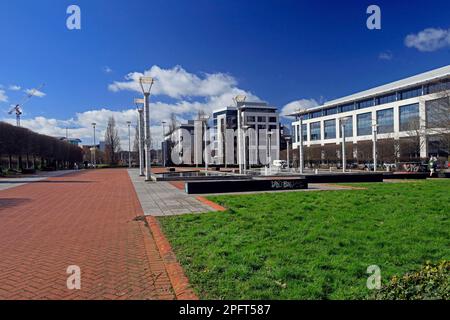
point(85, 219)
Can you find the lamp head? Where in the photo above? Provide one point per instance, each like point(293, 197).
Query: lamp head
point(146, 84)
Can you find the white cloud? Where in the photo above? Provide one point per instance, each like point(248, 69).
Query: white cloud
point(386, 55)
point(14, 87)
point(107, 69)
point(298, 104)
point(178, 83)
point(35, 92)
point(428, 40)
point(3, 96)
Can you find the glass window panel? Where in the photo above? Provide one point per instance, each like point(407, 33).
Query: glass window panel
point(409, 117)
point(330, 129)
point(364, 124)
point(315, 131)
point(385, 121)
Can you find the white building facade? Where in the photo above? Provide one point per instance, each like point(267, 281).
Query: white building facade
point(401, 112)
point(260, 130)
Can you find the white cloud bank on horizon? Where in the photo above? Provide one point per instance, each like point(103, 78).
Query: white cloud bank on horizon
point(429, 39)
point(190, 93)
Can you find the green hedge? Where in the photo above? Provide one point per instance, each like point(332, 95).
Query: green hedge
point(431, 282)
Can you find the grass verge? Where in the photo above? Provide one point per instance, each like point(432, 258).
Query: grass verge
point(312, 245)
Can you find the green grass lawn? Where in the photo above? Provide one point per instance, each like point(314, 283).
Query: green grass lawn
point(312, 245)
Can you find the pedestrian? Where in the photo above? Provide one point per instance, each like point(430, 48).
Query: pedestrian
point(431, 165)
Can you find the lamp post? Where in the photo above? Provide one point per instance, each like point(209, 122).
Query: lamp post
point(288, 155)
point(344, 160)
point(375, 132)
point(146, 86)
point(239, 100)
point(300, 144)
point(95, 147)
point(245, 129)
point(164, 142)
point(138, 103)
point(205, 119)
point(269, 149)
point(129, 143)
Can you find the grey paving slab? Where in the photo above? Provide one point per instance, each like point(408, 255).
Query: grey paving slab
point(163, 199)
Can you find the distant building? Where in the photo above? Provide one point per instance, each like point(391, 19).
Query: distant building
point(256, 117)
point(74, 141)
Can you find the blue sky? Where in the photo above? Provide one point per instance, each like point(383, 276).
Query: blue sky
point(277, 51)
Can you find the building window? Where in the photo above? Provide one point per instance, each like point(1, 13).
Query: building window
point(316, 114)
point(251, 118)
point(438, 113)
point(347, 107)
point(385, 121)
point(364, 124)
point(315, 131)
point(409, 117)
point(411, 93)
point(305, 133)
point(329, 112)
point(272, 127)
point(272, 119)
point(261, 119)
point(330, 129)
point(348, 121)
point(438, 87)
point(387, 98)
point(364, 104)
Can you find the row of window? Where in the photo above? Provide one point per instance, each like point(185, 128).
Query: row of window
point(261, 119)
point(408, 116)
point(388, 98)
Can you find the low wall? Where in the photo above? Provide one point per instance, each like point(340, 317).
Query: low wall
point(227, 186)
point(406, 175)
point(344, 177)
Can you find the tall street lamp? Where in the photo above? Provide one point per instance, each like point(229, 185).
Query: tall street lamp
point(244, 150)
point(301, 163)
point(343, 125)
point(129, 143)
point(94, 162)
point(139, 103)
point(146, 86)
point(375, 132)
point(239, 101)
point(205, 119)
point(164, 142)
point(288, 155)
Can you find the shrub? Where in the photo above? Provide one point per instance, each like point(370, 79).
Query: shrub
point(431, 282)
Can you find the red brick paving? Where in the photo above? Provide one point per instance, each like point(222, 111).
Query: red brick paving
point(84, 219)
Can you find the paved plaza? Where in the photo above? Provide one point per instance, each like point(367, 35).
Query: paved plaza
point(164, 199)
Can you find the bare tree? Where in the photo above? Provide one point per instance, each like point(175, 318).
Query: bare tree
point(112, 141)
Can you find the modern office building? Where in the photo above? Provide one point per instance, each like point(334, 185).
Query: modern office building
point(258, 119)
point(411, 118)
